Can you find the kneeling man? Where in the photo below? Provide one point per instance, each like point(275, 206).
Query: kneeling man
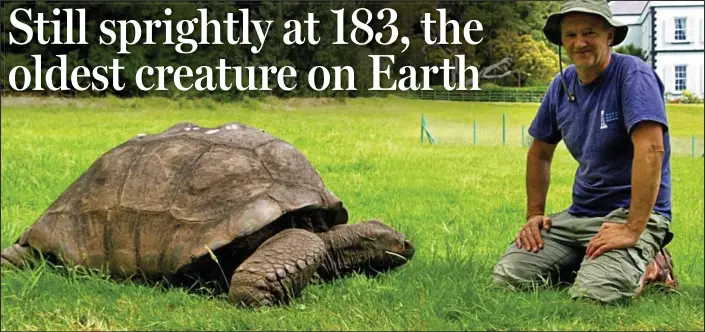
point(609, 110)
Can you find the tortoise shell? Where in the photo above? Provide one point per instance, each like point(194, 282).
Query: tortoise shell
point(156, 204)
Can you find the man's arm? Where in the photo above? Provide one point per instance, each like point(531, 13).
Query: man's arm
point(647, 138)
point(538, 177)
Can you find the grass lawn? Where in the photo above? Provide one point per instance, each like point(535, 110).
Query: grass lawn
point(460, 203)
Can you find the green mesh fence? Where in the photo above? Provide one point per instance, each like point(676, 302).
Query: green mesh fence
point(501, 131)
point(687, 146)
point(499, 95)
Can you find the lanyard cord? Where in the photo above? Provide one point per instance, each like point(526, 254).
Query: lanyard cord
point(571, 96)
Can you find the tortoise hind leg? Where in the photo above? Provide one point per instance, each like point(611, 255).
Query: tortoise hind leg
point(15, 256)
point(278, 270)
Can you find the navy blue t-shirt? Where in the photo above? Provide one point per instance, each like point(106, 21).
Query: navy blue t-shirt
point(596, 130)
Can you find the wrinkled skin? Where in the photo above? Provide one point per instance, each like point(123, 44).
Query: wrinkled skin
point(285, 264)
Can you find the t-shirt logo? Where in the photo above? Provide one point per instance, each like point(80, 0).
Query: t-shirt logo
point(603, 123)
point(605, 118)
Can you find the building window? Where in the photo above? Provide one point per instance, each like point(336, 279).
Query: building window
point(680, 29)
point(680, 77)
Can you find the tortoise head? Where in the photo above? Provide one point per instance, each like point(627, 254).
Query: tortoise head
point(369, 247)
point(387, 247)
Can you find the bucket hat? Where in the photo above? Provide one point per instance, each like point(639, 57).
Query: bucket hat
point(552, 28)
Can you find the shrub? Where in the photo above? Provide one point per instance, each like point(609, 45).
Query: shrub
point(690, 98)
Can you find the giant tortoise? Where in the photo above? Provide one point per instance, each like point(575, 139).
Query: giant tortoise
point(232, 204)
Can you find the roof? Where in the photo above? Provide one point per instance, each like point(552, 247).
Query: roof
point(627, 7)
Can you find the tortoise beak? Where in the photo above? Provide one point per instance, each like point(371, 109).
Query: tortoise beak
point(408, 250)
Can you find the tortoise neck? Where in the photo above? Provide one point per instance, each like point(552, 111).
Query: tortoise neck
point(347, 252)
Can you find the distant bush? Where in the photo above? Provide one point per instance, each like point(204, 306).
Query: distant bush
point(488, 85)
point(690, 98)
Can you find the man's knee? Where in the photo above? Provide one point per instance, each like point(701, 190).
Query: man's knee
point(606, 290)
point(613, 277)
point(518, 270)
point(509, 276)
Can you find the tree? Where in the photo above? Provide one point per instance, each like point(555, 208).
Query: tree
point(632, 49)
point(527, 55)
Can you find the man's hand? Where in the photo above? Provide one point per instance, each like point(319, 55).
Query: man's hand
point(530, 235)
point(611, 236)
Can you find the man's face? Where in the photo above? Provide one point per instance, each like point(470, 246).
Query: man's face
point(586, 39)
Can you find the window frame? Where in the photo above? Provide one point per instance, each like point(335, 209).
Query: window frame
point(680, 82)
point(682, 29)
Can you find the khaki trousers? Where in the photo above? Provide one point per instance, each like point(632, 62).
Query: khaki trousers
point(613, 276)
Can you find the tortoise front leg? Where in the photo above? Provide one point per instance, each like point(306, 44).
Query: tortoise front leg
point(278, 270)
point(16, 255)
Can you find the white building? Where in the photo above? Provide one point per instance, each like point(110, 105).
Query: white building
point(672, 34)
